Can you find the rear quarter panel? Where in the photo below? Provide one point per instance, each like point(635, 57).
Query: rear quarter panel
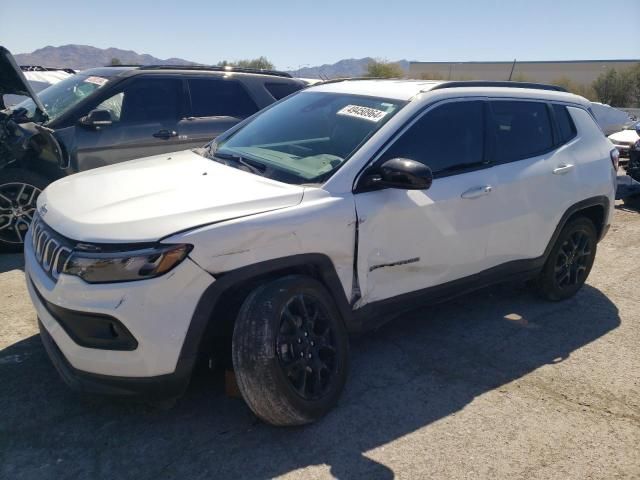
point(595, 173)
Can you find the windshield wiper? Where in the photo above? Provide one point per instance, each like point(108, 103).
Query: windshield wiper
point(258, 169)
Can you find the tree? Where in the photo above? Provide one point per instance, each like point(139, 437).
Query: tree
point(384, 69)
point(569, 85)
point(261, 63)
point(614, 88)
point(634, 74)
point(115, 61)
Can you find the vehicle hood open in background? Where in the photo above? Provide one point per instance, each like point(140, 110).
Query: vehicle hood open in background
point(145, 200)
point(13, 81)
point(628, 136)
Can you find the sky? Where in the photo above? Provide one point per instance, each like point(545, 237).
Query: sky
point(300, 33)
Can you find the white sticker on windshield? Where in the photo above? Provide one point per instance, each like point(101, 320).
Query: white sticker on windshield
point(366, 113)
point(96, 80)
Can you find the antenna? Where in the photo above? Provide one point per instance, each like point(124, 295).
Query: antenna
point(512, 67)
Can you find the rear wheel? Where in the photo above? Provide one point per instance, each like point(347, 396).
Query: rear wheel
point(570, 260)
point(290, 351)
point(19, 190)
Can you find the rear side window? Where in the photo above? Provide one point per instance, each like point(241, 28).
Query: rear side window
point(447, 138)
point(212, 97)
point(281, 90)
point(520, 130)
point(565, 123)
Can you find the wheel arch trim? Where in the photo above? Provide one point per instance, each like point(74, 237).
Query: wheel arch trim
point(598, 201)
point(225, 281)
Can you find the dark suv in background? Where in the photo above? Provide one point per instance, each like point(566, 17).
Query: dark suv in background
point(108, 115)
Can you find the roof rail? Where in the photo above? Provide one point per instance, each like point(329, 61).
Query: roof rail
point(215, 68)
point(122, 65)
point(346, 79)
point(492, 83)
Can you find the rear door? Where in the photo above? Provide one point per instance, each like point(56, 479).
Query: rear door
point(215, 104)
point(535, 177)
point(144, 112)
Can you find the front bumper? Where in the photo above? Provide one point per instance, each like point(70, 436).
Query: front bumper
point(156, 312)
point(158, 387)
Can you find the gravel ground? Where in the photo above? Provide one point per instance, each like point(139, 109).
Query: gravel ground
point(497, 384)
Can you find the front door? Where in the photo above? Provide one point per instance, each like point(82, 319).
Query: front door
point(412, 240)
point(144, 115)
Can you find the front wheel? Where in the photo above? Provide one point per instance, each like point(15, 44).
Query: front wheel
point(290, 351)
point(570, 260)
point(19, 190)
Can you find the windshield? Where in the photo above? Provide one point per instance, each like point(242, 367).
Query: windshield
point(59, 97)
point(632, 126)
point(305, 138)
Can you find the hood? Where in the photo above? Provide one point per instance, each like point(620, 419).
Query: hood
point(625, 136)
point(145, 200)
point(13, 81)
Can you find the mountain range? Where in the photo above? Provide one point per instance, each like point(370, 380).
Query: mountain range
point(349, 67)
point(80, 57)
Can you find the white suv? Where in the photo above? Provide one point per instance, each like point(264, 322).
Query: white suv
point(327, 213)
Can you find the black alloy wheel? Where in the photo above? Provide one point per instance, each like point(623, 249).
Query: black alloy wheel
point(290, 350)
point(306, 348)
point(569, 261)
point(573, 258)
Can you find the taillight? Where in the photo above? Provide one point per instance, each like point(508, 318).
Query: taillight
point(615, 157)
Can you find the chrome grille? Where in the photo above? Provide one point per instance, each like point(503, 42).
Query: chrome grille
point(50, 249)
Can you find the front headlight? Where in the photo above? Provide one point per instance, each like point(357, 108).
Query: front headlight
point(126, 266)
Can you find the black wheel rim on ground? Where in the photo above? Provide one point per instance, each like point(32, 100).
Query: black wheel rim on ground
point(17, 207)
point(306, 347)
point(573, 260)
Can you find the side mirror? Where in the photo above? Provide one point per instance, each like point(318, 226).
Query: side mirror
point(398, 173)
point(96, 118)
point(638, 128)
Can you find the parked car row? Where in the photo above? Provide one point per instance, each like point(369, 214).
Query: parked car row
point(108, 115)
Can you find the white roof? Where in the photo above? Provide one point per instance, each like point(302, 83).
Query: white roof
point(48, 76)
point(407, 89)
point(394, 89)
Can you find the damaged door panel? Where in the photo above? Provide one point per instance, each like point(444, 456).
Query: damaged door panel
point(414, 239)
point(410, 240)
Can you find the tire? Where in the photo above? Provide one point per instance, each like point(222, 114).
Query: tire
point(19, 190)
point(569, 261)
point(269, 335)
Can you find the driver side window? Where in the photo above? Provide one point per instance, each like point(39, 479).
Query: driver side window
point(145, 100)
point(447, 138)
point(113, 105)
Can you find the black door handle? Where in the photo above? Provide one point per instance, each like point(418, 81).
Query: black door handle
point(165, 134)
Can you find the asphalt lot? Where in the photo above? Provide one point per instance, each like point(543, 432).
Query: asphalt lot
point(497, 384)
